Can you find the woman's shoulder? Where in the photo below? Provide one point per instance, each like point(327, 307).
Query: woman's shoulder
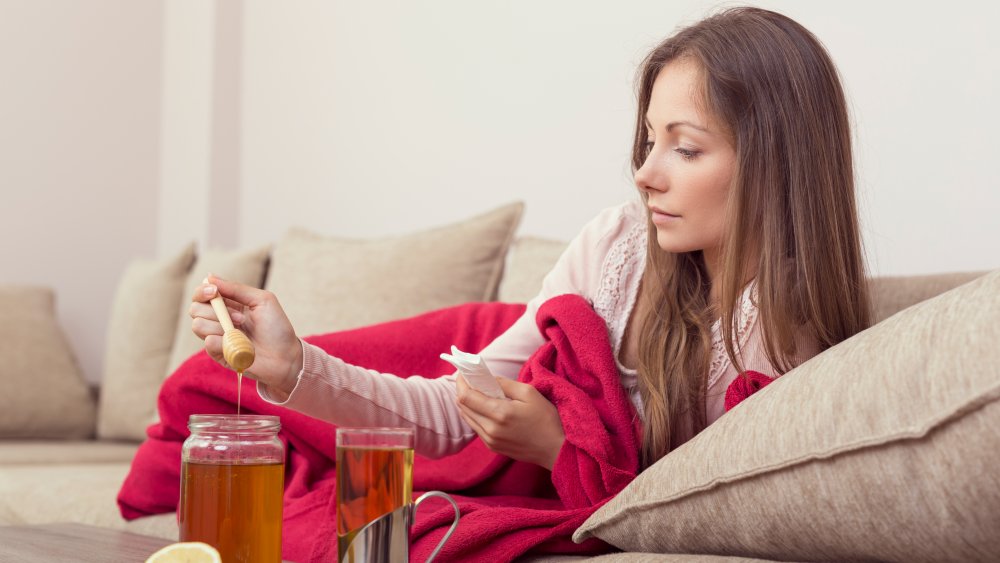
point(612, 231)
point(630, 211)
point(615, 231)
point(614, 222)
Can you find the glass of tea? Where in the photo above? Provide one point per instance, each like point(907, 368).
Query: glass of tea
point(232, 483)
point(374, 477)
point(375, 508)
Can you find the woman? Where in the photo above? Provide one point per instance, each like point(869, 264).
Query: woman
point(742, 253)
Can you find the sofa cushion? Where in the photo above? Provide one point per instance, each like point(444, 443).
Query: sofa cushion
point(83, 493)
point(530, 259)
point(892, 294)
point(326, 284)
point(28, 452)
point(140, 337)
point(44, 395)
point(245, 266)
point(883, 447)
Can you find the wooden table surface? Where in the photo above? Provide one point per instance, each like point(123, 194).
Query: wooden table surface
point(76, 543)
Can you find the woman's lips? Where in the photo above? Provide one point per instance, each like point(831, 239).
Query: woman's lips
point(661, 217)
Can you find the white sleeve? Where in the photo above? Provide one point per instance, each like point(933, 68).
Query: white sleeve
point(333, 390)
point(346, 395)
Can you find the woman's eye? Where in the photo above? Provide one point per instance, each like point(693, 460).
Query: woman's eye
point(687, 154)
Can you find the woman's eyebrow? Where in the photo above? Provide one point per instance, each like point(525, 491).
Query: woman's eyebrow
point(673, 124)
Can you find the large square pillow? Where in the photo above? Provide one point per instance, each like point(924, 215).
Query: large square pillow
point(44, 394)
point(326, 284)
point(140, 338)
point(885, 447)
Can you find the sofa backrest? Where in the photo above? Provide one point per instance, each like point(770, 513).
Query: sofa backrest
point(892, 294)
point(530, 258)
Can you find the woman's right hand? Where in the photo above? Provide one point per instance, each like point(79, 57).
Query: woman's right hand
point(257, 313)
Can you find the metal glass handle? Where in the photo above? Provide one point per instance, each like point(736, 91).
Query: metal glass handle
point(454, 524)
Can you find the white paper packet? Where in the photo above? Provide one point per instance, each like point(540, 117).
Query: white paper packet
point(473, 368)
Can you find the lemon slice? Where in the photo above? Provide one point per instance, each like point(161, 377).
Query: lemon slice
point(186, 552)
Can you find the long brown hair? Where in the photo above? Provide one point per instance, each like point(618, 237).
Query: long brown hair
point(792, 218)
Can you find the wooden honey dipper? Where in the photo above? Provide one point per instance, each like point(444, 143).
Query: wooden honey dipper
point(236, 347)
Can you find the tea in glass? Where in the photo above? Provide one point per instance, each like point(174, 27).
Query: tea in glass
point(374, 478)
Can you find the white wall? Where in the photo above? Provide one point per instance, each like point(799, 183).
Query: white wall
point(79, 122)
point(385, 117)
point(129, 128)
point(924, 84)
point(185, 185)
point(371, 118)
point(200, 124)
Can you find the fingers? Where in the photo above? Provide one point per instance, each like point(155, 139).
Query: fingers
point(482, 426)
point(461, 386)
point(213, 345)
point(205, 311)
point(471, 405)
point(204, 328)
point(489, 412)
point(472, 398)
point(205, 292)
point(471, 419)
point(240, 293)
point(516, 390)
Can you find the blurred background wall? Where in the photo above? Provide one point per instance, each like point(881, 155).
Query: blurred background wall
point(129, 128)
point(81, 97)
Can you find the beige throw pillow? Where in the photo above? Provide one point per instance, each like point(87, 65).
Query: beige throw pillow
point(530, 260)
point(140, 337)
point(44, 395)
point(885, 447)
point(244, 266)
point(326, 284)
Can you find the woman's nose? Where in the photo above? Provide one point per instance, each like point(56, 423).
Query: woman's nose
point(647, 177)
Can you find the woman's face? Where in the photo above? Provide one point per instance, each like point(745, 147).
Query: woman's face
point(689, 167)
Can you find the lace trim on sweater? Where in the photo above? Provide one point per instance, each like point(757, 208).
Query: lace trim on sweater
point(616, 298)
point(744, 321)
point(621, 263)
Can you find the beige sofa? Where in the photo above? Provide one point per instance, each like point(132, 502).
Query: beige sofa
point(64, 454)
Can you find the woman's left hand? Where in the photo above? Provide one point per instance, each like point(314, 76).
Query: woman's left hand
point(526, 428)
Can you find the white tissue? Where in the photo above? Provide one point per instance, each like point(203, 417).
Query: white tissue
point(473, 369)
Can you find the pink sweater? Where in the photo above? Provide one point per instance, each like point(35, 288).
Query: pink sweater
point(604, 264)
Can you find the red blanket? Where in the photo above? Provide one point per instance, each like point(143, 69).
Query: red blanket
point(508, 508)
point(746, 384)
